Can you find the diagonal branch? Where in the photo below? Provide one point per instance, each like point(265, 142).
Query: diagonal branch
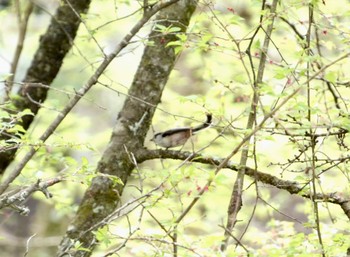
point(23, 25)
point(83, 90)
point(104, 195)
point(290, 186)
point(53, 47)
point(236, 197)
point(14, 200)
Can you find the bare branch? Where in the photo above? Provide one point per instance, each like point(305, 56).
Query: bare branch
point(23, 24)
point(290, 186)
point(83, 90)
point(129, 130)
point(27, 244)
point(236, 198)
point(48, 59)
point(14, 199)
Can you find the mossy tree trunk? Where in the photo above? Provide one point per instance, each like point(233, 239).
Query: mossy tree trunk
point(133, 122)
point(53, 47)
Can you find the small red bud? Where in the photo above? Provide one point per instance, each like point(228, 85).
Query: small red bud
point(230, 9)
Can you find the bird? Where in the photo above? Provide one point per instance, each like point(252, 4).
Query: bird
point(179, 136)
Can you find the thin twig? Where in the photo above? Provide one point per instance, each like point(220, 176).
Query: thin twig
point(27, 245)
point(23, 25)
point(292, 187)
point(83, 90)
point(224, 162)
point(12, 199)
point(236, 198)
point(312, 139)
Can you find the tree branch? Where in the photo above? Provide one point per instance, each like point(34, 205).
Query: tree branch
point(236, 197)
point(291, 187)
point(130, 130)
point(23, 24)
point(82, 91)
point(48, 59)
point(14, 199)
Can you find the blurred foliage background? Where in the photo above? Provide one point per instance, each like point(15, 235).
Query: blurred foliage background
point(211, 75)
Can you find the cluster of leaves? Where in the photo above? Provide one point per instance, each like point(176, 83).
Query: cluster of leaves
point(171, 208)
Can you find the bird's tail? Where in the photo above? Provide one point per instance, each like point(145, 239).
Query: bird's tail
point(204, 125)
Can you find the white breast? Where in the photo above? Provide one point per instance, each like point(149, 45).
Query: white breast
point(172, 140)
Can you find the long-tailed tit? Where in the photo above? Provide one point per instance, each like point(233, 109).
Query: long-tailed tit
point(179, 136)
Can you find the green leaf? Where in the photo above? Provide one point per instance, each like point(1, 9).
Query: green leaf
point(78, 246)
point(266, 89)
point(331, 76)
point(167, 30)
point(282, 72)
point(149, 43)
point(178, 44)
point(174, 43)
point(115, 179)
point(16, 129)
point(342, 122)
point(182, 37)
point(173, 29)
point(102, 235)
point(160, 27)
point(236, 20)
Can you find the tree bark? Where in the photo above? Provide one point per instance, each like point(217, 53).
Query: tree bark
point(103, 196)
point(54, 46)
